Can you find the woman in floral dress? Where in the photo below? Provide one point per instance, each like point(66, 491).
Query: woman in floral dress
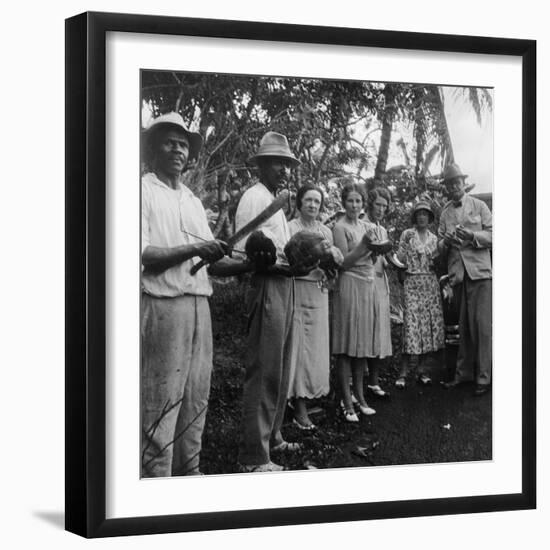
point(423, 327)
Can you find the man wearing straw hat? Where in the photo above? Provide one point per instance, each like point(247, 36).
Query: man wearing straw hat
point(176, 350)
point(270, 310)
point(466, 236)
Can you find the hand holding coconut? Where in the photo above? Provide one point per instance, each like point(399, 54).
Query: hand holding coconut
point(464, 234)
point(261, 251)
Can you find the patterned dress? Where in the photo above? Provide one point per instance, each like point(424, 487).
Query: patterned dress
point(423, 327)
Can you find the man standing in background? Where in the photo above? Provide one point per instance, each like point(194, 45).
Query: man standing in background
point(466, 237)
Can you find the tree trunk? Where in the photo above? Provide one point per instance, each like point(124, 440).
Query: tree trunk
point(447, 154)
point(222, 223)
point(385, 138)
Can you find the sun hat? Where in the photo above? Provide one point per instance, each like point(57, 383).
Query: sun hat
point(273, 144)
point(422, 205)
point(452, 171)
point(174, 120)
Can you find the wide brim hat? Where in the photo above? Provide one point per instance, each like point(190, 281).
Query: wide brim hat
point(273, 144)
point(173, 120)
point(452, 171)
point(421, 205)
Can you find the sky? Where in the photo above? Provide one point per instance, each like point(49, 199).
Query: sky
point(472, 143)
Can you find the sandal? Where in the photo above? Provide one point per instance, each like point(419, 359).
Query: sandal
point(288, 446)
point(269, 467)
point(350, 416)
point(305, 427)
point(366, 410)
point(400, 382)
point(378, 391)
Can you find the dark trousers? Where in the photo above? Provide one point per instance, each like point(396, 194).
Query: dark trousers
point(271, 310)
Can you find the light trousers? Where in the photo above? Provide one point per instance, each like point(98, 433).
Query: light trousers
point(475, 352)
point(176, 365)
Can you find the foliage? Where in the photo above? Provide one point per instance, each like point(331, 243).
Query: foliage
point(340, 130)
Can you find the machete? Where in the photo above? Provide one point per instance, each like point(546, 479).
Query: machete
point(262, 217)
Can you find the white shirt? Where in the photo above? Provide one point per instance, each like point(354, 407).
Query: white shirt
point(168, 217)
point(253, 201)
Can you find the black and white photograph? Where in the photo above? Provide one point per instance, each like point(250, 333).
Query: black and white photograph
point(316, 273)
point(277, 278)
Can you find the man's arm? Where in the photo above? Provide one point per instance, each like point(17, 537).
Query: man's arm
point(228, 267)
point(484, 238)
point(447, 239)
point(158, 259)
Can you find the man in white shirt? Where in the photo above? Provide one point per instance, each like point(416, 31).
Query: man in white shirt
point(270, 313)
point(176, 336)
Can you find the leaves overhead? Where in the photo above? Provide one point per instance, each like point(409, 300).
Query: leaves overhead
point(340, 130)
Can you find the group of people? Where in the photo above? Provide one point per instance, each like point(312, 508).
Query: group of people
point(290, 340)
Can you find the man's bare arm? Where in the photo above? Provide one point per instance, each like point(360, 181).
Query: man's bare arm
point(158, 259)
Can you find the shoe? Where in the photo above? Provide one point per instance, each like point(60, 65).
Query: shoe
point(366, 410)
point(400, 382)
point(305, 427)
point(425, 380)
point(377, 391)
point(350, 416)
point(287, 446)
point(269, 467)
point(481, 389)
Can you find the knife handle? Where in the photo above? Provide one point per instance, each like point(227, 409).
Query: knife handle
point(198, 266)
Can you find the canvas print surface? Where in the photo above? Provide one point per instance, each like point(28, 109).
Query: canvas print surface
point(316, 287)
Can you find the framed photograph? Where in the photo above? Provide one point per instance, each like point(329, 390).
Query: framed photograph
point(361, 343)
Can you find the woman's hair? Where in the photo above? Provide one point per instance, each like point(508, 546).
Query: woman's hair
point(415, 213)
point(303, 190)
point(352, 188)
point(378, 192)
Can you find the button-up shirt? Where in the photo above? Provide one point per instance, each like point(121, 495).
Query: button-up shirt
point(170, 218)
point(255, 200)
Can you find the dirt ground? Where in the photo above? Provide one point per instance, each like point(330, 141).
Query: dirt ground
point(413, 426)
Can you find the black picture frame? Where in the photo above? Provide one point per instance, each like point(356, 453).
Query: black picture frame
point(86, 269)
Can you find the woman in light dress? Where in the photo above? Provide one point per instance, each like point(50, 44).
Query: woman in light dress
point(423, 326)
point(378, 202)
point(311, 355)
point(360, 320)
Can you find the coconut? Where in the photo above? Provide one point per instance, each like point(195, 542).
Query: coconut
point(306, 247)
point(380, 247)
point(257, 243)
